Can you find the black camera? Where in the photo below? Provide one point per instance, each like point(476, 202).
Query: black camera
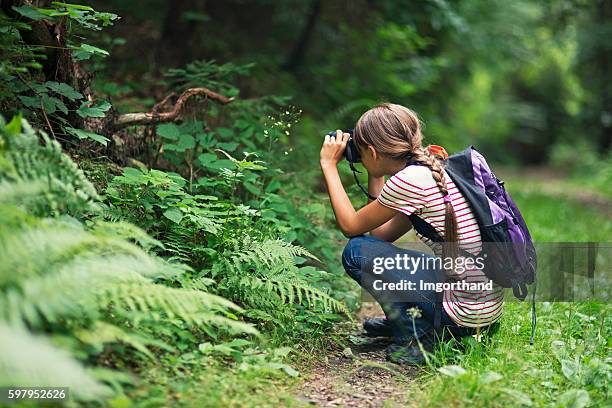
point(351, 153)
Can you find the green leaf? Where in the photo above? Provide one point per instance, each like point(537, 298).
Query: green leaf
point(64, 90)
point(30, 101)
point(570, 369)
point(252, 188)
point(169, 131)
point(96, 111)
point(14, 126)
point(273, 186)
point(48, 105)
point(290, 370)
point(519, 397)
point(83, 134)
point(51, 104)
point(489, 377)
point(225, 132)
point(171, 147)
point(174, 214)
point(452, 370)
point(229, 146)
point(574, 399)
point(30, 12)
point(74, 6)
point(222, 164)
point(206, 159)
point(85, 51)
point(186, 142)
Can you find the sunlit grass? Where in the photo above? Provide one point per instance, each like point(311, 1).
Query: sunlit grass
point(569, 364)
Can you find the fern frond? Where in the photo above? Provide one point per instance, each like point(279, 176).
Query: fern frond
point(102, 333)
point(26, 360)
point(67, 189)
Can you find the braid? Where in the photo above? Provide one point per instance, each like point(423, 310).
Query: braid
point(451, 235)
point(395, 132)
point(425, 157)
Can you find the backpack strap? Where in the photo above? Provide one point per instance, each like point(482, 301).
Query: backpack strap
point(424, 228)
point(429, 232)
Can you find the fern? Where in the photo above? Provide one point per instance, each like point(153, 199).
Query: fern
point(264, 274)
point(67, 188)
point(26, 360)
point(92, 285)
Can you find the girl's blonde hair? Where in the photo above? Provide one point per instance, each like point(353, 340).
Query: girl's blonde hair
point(395, 132)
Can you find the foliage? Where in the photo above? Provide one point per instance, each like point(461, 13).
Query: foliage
point(229, 243)
point(86, 285)
point(26, 88)
point(569, 364)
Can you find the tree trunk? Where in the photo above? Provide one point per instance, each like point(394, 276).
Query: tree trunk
point(299, 50)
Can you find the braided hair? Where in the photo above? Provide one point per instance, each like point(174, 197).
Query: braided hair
point(395, 132)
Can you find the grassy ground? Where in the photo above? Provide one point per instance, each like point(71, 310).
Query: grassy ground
point(569, 365)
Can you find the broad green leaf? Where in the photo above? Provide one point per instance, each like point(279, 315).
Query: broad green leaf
point(48, 105)
point(229, 146)
point(96, 111)
point(186, 142)
point(30, 101)
point(570, 369)
point(574, 399)
point(252, 188)
point(452, 370)
point(222, 164)
point(169, 131)
point(174, 214)
point(14, 126)
point(85, 51)
point(83, 134)
point(30, 12)
point(51, 104)
point(519, 397)
point(64, 90)
point(273, 186)
point(225, 132)
point(489, 377)
point(75, 6)
point(290, 370)
point(206, 159)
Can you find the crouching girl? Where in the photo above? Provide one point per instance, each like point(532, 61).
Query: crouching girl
point(389, 141)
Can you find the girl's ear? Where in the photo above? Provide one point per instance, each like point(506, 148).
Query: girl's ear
point(372, 152)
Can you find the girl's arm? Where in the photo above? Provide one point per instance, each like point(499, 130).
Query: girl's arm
point(351, 222)
point(397, 226)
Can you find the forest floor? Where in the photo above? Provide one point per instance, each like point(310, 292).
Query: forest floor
point(357, 375)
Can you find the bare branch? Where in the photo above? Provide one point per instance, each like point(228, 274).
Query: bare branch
point(151, 118)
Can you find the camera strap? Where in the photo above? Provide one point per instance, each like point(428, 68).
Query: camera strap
point(355, 171)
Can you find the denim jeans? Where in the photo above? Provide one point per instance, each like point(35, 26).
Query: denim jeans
point(360, 250)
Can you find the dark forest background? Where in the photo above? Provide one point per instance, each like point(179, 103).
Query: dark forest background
point(165, 233)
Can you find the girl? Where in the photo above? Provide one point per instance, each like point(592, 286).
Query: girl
point(389, 140)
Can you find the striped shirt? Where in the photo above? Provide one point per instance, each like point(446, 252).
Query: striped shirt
point(413, 190)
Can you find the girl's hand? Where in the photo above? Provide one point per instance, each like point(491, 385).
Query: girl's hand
point(333, 148)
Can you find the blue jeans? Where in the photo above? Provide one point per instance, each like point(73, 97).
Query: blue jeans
point(360, 251)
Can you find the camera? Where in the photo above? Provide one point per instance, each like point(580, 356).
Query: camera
point(351, 153)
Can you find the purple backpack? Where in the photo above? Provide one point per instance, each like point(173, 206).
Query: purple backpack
point(509, 255)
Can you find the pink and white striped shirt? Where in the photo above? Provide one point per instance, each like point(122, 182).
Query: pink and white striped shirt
point(414, 190)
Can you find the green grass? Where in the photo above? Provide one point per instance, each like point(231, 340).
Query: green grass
point(210, 383)
point(569, 364)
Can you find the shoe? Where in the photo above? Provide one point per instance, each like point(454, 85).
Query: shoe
point(410, 353)
point(378, 327)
